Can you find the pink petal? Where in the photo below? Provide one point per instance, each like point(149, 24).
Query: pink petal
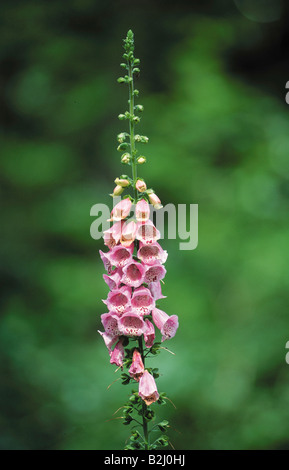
point(110, 324)
point(131, 324)
point(108, 340)
point(133, 274)
point(151, 253)
point(149, 334)
point(147, 232)
point(142, 211)
point(156, 290)
point(118, 300)
point(119, 256)
point(142, 301)
point(147, 388)
point(154, 273)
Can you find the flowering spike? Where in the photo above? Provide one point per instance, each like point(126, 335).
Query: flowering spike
point(134, 264)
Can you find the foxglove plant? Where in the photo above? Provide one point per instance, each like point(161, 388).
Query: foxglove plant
point(134, 265)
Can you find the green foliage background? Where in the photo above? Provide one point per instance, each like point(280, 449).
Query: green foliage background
point(213, 86)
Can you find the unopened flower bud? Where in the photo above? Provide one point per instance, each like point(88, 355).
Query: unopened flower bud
point(122, 182)
point(141, 160)
point(125, 158)
point(121, 117)
point(121, 137)
point(117, 190)
point(140, 186)
point(155, 200)
point(122, 147)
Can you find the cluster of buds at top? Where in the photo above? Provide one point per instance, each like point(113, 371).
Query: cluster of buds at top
point(124, 182)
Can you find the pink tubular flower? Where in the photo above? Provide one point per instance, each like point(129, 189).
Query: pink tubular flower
point(133, 274)
point(113, 281)
point(149, 254)
point(147, 232)
point(156, 290)
point(142, 211)
point(110, 324)
point(149, 334)
point(112, 235)
point(141, 186)
point(142, 301)
point(121, 210)
point(155, 201)
point(128, 233)
point(147, 388)
point(109, 341)
point(136, 369)
point(120, 255)
point(167, 325)
point(131, 324)
point(154, 273)
point(117, 355)
point(118, 300)
point(106, 261)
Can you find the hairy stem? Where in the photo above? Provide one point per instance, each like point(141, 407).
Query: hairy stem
point(144, 406)
point(131, 128)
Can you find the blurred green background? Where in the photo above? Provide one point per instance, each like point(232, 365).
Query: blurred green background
point(212, 82)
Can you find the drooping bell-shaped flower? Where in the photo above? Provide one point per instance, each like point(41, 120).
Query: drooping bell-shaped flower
point(112, 235)
point(133, 274)
point(154, 273)
point(120, 255)
point(109, 340)
point(142, 301)
point(128, 233)
point(117, 355)
point(142, 211)
point(118, 300)
point(113, 280)
point(121, 210)
point(136, 369)
point(117, 191)
point(147, 388)
point(140, 186)
point(167, 325)
point(106, 261)
point(149, 334)
point(156, 290)
point(131, 324)
point(151, 253)
point(147, 232)
point(110, 324)
point(155, 201)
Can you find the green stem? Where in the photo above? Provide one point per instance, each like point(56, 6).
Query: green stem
point(131, 130)
point(144, 406)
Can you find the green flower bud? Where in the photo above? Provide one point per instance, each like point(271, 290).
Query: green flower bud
point(141, 160)
point(122, 147)
point(121, 80)
point(121, 137)
point(125, 158)
point(139, 107)
point(136, 119)
point(122, 182)
point(117, 191)
point(121, 117)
